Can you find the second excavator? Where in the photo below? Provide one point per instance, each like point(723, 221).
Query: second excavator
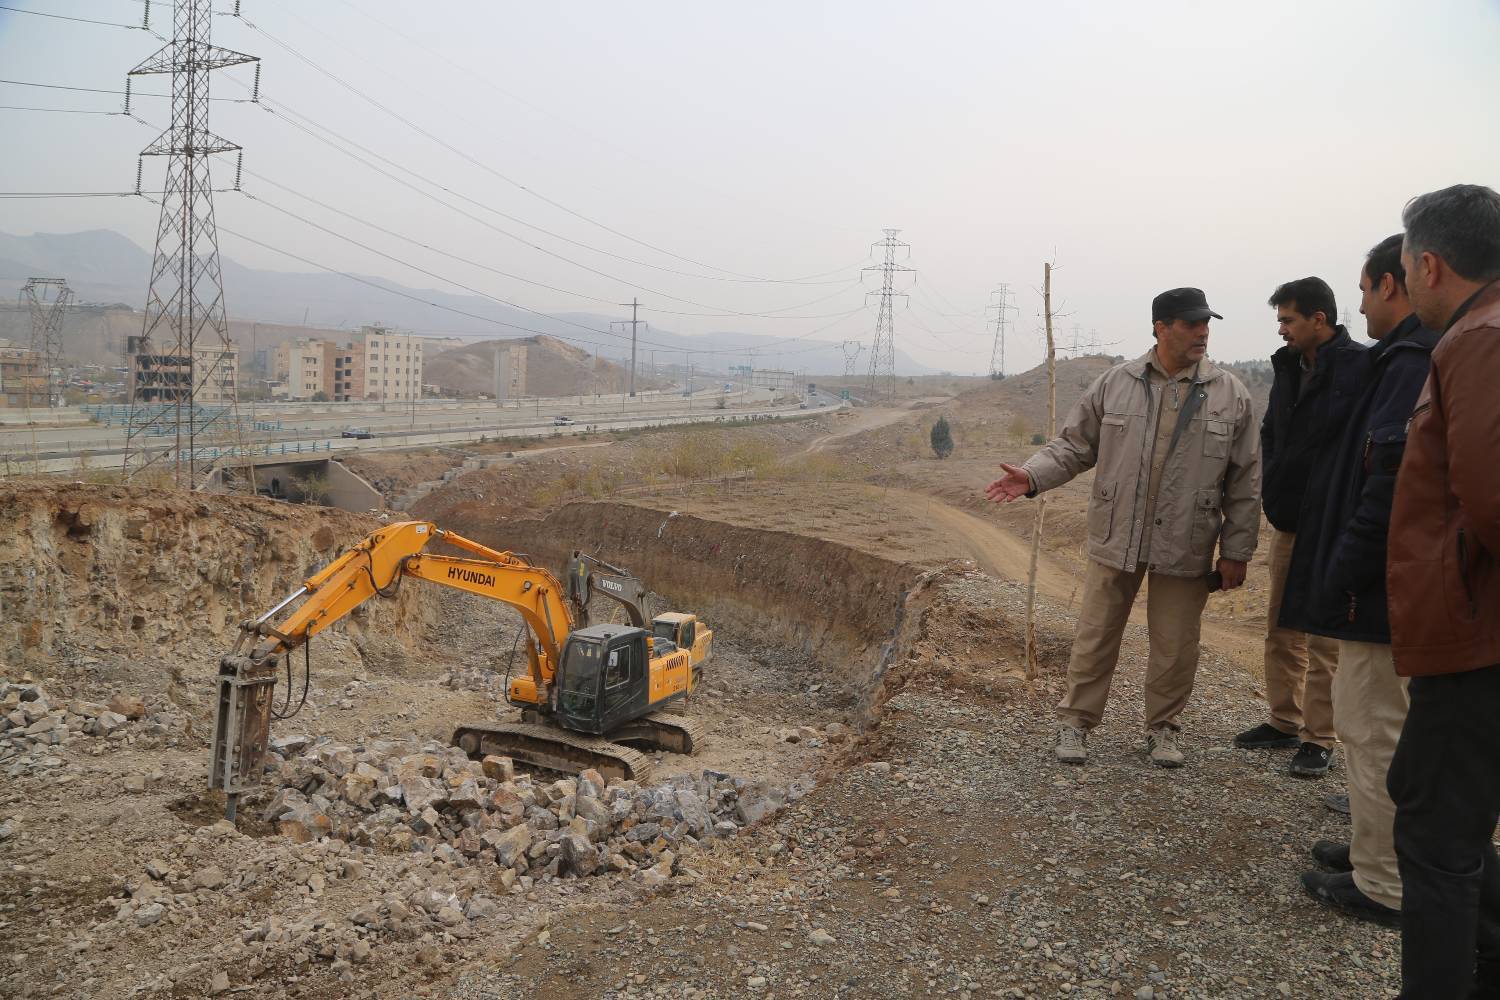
point(587, 691)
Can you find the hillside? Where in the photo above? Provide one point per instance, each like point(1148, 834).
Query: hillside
point(553, 368)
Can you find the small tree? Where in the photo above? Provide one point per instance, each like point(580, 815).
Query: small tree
point(942, 438)
point(320, 396)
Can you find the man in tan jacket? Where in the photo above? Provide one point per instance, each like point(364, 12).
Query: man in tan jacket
point(1173, 442)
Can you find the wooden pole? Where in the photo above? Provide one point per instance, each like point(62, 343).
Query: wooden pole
point(1033, 664)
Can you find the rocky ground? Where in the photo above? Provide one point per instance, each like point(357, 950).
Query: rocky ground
point(865, 821)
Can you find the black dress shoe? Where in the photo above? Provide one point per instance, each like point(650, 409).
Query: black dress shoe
point(1339, 891)
point(1311, 761)
point(1332, 855)
point(1265, 737)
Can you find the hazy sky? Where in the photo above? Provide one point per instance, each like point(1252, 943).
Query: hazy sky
point(1142, 146)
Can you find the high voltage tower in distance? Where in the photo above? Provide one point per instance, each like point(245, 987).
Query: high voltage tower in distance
point(47, 299)
point(181, 369)
point(851, 349)
point(633, 322)
point(883, 351)
point(1002, 307)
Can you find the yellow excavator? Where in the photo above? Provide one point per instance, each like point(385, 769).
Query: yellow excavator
point(589, 576)
point(586, 691)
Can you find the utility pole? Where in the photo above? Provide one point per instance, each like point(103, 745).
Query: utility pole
point(1033, 664)
point(883, 353)
point(1002, 309)
point(633, 322)
point(185, 299)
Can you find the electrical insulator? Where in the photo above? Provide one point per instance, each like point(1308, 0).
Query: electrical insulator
point(139, 166)
point(239, 166)
point(255, 88)
point(128, 81)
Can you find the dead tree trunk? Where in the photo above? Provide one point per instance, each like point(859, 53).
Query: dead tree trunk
point(1033, 664)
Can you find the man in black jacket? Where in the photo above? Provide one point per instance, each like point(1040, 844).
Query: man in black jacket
point(1336, 587)
point(1318, 376)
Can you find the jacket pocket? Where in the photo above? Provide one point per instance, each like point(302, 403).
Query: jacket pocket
point(1465, 606)
point(1102, 512)
point(1215, 439)
point(1207, 520)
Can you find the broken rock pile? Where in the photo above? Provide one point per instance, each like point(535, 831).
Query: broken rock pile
point(436, 801)
point(34, 723)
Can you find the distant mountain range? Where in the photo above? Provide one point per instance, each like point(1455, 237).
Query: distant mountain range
point(102, 266)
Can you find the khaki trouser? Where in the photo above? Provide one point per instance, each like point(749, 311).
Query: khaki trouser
point(1299, 667)
point(1369, 708)
point(1174, 611)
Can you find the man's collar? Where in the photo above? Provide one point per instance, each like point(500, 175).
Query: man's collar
point(1467, 305)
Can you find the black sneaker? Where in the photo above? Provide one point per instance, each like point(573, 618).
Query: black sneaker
point(1311, 761)
point(1337, 803)
point(1339, 891)
point(1265, 737)
point(1332, 855)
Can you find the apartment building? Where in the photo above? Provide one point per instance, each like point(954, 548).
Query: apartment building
point(299, 366)
point(157, 375)
point(392, 364)
point(22, 379)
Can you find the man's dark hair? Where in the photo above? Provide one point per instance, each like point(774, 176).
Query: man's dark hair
point(1307, 296)
point(1461, 224)
point(1385, 258)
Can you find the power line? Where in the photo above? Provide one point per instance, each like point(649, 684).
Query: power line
point(80, 20)
point(60, 111)
point(485, 166)
point(399, 293)
point(103, 90)
point(488, 225)
point(306, 125)
point(89, 194)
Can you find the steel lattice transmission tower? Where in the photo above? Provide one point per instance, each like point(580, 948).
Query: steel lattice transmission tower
point(1002, 307)
point(852, 350)
point(47, 299)
point(883, 351)
point(181, 369)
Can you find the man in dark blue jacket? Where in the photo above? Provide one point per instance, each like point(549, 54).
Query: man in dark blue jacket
point(1336, 587)
point(1318, 376)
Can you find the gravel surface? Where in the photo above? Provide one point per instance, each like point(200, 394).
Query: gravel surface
point(964, 862)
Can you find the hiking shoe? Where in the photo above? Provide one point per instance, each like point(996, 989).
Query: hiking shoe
point(1161, 744)
point(1339, 891)
point(1265, 737)
point(1070, 747)
point(1311, 761)
point(1337, 803)
point(1332, 855)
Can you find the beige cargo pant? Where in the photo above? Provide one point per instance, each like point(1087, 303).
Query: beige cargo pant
point(1369, 709)
point(1174, 612)
point(1299, 666)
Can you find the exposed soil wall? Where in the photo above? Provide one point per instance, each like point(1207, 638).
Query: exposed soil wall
point(92, 573)
point(833, 603)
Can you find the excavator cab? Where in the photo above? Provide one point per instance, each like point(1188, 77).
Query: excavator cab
point(604, 680)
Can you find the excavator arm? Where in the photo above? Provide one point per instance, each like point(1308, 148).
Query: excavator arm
point(591, 575)
point(375, 566)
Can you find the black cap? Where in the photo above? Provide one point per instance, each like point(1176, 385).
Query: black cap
point(1181, 303)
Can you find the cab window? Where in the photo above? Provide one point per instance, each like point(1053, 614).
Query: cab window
point(617, 668)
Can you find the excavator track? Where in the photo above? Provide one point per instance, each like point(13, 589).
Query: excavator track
point(664, 731)
point(553, 749)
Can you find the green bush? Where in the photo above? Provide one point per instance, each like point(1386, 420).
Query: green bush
point(942, 438)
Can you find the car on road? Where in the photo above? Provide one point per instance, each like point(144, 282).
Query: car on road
point(562, 421)
point(357, 432)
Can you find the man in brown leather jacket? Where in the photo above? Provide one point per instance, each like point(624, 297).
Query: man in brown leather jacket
point(1443, 574)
